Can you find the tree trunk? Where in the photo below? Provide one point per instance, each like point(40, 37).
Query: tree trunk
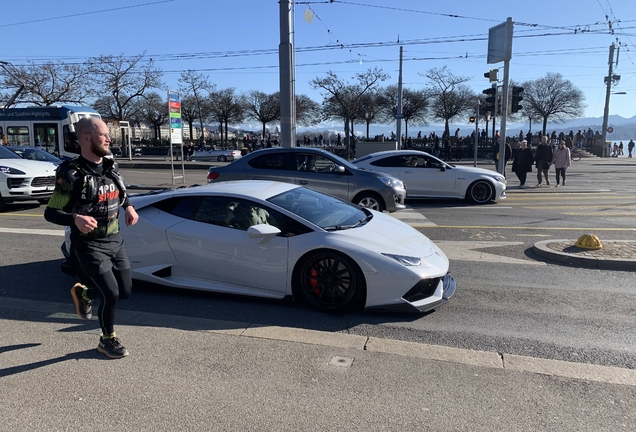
point(368, 122)
point(406, 131)
point(202, 137)
point(191, 131)
point(263, 130)
point(226, 135)
point(446, 129)
point(545, 124)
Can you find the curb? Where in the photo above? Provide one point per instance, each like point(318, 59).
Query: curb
point(541, 248)
point(485, 359)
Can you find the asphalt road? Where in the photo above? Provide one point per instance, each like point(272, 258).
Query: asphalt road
point(508, 301)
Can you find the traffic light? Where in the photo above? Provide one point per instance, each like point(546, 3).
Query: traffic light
point(490, 100)
point(471, 119)
point(492, 75)
point(516, 98)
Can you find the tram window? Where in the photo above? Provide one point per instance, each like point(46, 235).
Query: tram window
point(71, 145)
point(18, 135)
point(45, 135)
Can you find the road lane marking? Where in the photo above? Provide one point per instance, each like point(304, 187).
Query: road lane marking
point(532, 228)
point(465, 251)
point(600, 213)
point(413, 218)
point(59, 233)
point(21, 214)
point(585, 206)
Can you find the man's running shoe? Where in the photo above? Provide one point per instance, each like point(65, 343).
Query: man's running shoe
point(83, 308)
point(112, 348)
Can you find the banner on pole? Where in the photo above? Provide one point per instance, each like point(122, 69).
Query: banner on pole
point(174, 108)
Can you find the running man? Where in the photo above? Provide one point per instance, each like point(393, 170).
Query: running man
point(88, 194)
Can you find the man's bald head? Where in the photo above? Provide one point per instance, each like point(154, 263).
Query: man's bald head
point(93, 137)
point(87, 125)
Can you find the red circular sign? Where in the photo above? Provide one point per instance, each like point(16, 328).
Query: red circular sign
point(610, 129)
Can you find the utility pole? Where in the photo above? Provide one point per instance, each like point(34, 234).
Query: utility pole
point(398, 109)
point(287, 76)
point(609, 79)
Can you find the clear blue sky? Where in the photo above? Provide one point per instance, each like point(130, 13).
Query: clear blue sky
point(235, 42)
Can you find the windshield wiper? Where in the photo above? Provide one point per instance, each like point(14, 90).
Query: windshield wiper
point(346, 227)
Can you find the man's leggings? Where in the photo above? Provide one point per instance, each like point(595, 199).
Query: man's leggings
point(108, 278)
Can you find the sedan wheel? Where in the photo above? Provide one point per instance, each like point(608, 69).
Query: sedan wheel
point(330, 281)
point(221, 159)
point(480, 192)
point(370, 201)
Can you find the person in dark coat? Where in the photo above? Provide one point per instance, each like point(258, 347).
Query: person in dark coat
point(507, 156)
point(522, 162)
point(543, 158)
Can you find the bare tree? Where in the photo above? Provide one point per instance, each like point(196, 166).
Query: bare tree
point(307, 111)
point(371, 108)
point(122, 79)
point(154, 111)
point(552, 97)
point(193, 85)
point(227, 107)
point(189, 113)
point(450, 96)
point(48, 83)
point(415, 105)
point(263, 107)
point(342, 100)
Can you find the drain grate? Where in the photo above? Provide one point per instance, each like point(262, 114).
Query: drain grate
point(341, 361)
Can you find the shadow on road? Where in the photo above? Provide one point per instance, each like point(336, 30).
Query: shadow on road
point(81, 355)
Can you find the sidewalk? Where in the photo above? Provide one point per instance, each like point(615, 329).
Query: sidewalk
point(202, 374)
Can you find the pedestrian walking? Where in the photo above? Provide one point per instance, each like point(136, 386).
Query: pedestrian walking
point(190, 151)
point(522, 162)
point(543, 159)
point(87, 196)
point(561, 161)
point(630, 148)
point(507, 156)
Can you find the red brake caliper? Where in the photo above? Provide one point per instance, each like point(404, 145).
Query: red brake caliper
point(313, 281)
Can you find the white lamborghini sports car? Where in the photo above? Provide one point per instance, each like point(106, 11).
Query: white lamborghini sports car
point(271, 239)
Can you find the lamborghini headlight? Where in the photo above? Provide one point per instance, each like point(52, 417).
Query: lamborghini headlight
point(405, 260)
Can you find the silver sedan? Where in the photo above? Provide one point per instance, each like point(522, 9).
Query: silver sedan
point(319, 170)
point(217, 155)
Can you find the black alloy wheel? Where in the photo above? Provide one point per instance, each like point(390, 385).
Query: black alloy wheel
point(330, 281)
point(480, 192)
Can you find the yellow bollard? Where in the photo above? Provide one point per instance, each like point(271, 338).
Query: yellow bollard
point(589, 241)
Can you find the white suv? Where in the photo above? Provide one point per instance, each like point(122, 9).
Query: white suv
point(23, 180)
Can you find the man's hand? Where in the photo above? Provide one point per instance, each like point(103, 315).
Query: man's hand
point(131, 216)
point(85, 224)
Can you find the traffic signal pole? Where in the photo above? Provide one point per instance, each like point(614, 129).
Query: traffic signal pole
point(476, 140)
point(504, 114)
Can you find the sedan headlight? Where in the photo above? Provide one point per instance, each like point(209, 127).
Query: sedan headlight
point(500, 179)
point(392, 182)
point(10, 170)
point(405, 260)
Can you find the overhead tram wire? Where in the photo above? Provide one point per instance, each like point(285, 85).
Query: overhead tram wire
point(257, 52)
point(87, 13)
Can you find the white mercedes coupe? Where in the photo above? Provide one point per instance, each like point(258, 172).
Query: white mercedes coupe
point(272, 239)
point(426, 176)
